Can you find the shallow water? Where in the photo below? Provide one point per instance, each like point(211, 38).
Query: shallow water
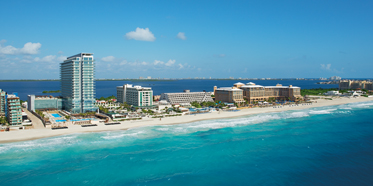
point(319, 146)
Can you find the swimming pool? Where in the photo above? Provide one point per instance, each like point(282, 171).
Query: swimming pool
point(83, 119)
point(56, 115)
point(61, 120)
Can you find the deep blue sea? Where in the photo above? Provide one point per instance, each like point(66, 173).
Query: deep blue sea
point(319, 146)
point(108, 88)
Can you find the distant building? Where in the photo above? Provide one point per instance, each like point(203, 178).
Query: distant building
point(186, 97)
point(2, 102)
point(135, 95)
point(43, 103)
point(350, 84)
point(78, 83)
point(14, 110)
point(335, 78)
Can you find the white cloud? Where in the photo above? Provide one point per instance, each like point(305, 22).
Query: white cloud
point(181, 66)
point(50, 59)
point(181, 35)
point(326, 67)
point(156, 62)
point(28, 48)
point(59, 52)
point(108, 58)
point(141, 34)
point(170, 62)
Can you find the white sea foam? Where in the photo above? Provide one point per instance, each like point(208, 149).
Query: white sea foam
point(47, 143)
point(326, 111)
point(115, 135)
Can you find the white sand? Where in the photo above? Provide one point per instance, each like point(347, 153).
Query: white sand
point(31, 134)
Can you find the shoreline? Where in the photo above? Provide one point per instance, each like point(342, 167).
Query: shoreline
point(33, 134)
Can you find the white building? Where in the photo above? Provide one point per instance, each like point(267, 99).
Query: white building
point(332, 93)
point(78, 83)
point(186, 97)
point(135, 95)
point(335, 78)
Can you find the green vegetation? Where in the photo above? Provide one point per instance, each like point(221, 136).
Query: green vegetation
point(67, 117)
point(102, 109)
point(319, 91)
point(40, 113)
point(147, 111)
point(208, 104)
point(196, 104)
point(107, 98)
point(51, 91)
point(3, 120)
point(87, 114)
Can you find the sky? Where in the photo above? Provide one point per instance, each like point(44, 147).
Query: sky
point(181, 39)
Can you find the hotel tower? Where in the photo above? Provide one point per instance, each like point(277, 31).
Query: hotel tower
point(78, 84)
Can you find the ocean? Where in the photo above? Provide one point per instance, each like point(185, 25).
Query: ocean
point(319, 146)
point(108, 88)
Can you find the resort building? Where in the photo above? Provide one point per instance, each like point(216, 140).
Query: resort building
point(14, 110)
point(136, 96)
point(253, 92)
point(2, 102)
point(78, 84)
point(229, 94)
point(43, 103)
point(350, 84)
point(186, 97)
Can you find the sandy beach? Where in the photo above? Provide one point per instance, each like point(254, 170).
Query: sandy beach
point(23, 135)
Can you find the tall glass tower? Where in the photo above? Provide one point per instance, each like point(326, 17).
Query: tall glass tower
point(78, 84)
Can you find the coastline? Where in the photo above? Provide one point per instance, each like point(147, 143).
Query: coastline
point(32, 134)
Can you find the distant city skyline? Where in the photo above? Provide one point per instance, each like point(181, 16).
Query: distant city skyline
point(172, 39)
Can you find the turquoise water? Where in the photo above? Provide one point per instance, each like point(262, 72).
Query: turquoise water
point(61, 120)
point(56, 115)
point(86, 119)
point(319, 146)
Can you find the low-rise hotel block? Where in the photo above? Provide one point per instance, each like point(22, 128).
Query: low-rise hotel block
point(136, 96)
point(253, 93)
point(43, 103)
point(229, 95)
point(186, 97)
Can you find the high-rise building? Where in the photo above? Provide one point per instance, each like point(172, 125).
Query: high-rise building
point(2, 102)
point(78, 83)
point(136, 96)
point(14, 110)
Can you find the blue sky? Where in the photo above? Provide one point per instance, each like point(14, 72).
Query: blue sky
point(179, 39)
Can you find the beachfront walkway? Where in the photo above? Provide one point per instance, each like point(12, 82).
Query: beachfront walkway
point(36, 122)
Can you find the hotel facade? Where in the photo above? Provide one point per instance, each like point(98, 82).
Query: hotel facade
point(2, 102)
point(350, 84)
point(136, 96)
point(253, 93)
point(14, 110)
point(78, 84)
point(186, 97)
